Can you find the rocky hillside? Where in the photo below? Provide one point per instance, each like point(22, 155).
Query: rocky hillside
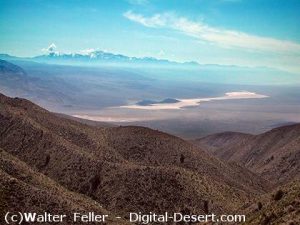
point(25, 190)
point(275, 154)
point(282, 206)
point(122, 168)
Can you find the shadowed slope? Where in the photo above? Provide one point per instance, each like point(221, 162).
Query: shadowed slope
point(274, 154)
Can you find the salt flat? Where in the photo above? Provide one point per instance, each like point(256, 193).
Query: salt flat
point(182, 103)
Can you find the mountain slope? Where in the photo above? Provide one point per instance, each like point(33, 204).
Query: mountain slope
point(274, 154)
point(7, 68)
point(282, 206)
point(41, 88)
point(13, 77)
point(213, 143)
point(25, 190)
point(123, 168)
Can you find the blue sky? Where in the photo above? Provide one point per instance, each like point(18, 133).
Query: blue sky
point(238, 32)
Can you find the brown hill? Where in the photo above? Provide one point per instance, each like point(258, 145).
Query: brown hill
point(214, 142)
point(274, 154)
point(25, 190)
point(282, 206)
point(123, 168)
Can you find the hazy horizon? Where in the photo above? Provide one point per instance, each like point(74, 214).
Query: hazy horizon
point(241, 33)
point(98, 59)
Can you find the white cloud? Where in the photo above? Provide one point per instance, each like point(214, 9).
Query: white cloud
point(221, 37)
point(154, 21)
point(50, 49)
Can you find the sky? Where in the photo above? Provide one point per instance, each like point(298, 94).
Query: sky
point(229, 32)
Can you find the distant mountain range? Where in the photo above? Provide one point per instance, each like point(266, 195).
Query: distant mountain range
point(96, 57)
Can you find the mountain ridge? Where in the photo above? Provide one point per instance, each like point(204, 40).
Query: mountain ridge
point(274, 154)
point(97, 57)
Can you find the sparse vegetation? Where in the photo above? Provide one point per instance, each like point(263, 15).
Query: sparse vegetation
point(267, 219)
point(283, 211)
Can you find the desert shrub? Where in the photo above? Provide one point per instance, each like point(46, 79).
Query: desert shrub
point(268, 219)
point(278, 195)
point(47, 160)
point(205, 206)
point(259, 205)
point(182, 158)
point(94, 183)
